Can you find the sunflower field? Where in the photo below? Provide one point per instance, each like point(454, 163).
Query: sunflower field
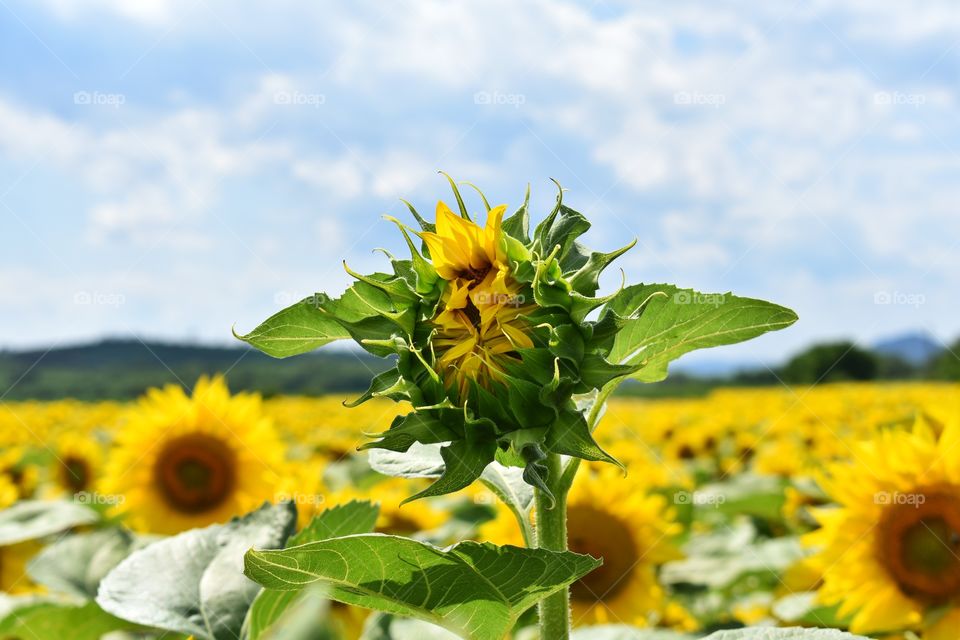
point(765, 507)
point(490, 483)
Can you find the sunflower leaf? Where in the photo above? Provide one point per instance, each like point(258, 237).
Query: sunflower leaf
point(664, 322)
point(192, 583)
point(517, 225)
point(463, 462)
point(75, 565)
point(451, 587)
point(299, 328)
point(419, 461)
point(29, 519)
point(56, 620)
point(272, 605)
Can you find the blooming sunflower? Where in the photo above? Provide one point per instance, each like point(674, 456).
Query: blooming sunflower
point(890, 550)
point(17, 471)
point(77, 463)
point(182, 462)
point(479, 323)
point(616, 519)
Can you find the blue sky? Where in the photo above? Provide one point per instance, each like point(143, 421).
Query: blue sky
point(171, 167)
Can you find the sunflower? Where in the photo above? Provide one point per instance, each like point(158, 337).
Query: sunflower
point(890, 551)
point(17, 470)
point(183, 462)
point(480, 319)
point(616, 519)
point(77, 463)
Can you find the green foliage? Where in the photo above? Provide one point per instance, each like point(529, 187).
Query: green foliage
point(297, 329)
point(831, 363)
point(273, 605)
point(476, 590)
point(192, 583)
point(52, 620)
point(124, 369)
point(663, 322)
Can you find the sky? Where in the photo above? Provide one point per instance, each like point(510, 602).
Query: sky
point(170, 168)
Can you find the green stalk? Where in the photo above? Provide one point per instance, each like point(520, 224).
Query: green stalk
point(552, 534)
point(552, 526)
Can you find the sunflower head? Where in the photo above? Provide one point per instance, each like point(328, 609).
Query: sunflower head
point(889, 551)
point(182, 461)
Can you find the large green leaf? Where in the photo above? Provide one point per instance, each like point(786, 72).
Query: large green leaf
point(664, 322)
point(297, 329)
point(29, 519)
point(271, 604)
point(193, 582)
point(50, 620)
point(75, 565)
point(475, 589)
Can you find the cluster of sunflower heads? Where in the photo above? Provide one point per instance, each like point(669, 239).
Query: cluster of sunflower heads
point(487, 323)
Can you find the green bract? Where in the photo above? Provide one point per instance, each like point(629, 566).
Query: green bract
point(529, 406)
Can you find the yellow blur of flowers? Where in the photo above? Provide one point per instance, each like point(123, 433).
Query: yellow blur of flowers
point(868, 475)
point(480, 319)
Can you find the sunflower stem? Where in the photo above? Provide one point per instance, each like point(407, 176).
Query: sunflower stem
point(552, 534)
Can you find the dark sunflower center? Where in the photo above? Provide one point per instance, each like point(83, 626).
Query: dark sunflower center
point(602, 535)
point(476, 275)
point(195, 472)
point(399, 525)
point(919, 543)
point(75, 473)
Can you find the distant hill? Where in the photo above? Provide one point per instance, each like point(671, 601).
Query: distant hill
point(913, 348)
point(123, 369)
